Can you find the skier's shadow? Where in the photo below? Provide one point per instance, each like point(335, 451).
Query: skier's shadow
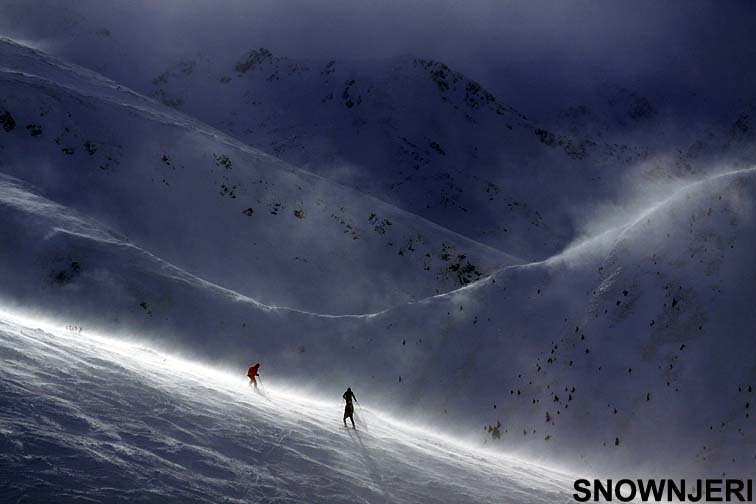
point(260, 393)
point(375, 474)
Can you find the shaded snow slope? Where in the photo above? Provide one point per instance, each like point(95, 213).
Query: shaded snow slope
point(410, 131)
point(419, 134)
point(84, 418)
point(415, 132)
point(212, 205)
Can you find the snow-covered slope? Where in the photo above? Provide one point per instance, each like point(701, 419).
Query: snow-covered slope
point(601, 354)
point(130, 217)
point(407, 130)
point(212, 205)
point(84, 418)
point(417, 133)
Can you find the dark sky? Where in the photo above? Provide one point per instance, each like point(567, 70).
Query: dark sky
point(524, 50)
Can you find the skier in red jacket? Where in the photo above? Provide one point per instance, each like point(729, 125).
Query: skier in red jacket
point(253, 371)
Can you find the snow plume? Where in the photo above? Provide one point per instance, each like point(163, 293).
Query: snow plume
point(646, 192)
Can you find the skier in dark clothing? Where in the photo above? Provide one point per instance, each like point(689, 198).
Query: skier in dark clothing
point(349, 408)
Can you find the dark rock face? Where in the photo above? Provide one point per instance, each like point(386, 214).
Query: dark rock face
point(34, 129)
point(66, 275)
point(253, 59)
point(7, 121)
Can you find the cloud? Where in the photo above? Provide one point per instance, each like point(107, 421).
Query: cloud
point(515, 48)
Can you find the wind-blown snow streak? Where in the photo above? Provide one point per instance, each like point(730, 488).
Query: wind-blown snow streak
point(67, 221)
point(12, 193)
point(83, 416)
point(615, 234)
point(599, 242)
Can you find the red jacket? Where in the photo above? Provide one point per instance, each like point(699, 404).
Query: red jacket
point(253, 371)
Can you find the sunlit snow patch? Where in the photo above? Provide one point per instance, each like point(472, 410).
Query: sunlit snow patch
point(119, 419)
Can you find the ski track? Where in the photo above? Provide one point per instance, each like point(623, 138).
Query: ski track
point(85, 418)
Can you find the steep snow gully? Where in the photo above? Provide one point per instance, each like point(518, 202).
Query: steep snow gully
point(88, 418)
